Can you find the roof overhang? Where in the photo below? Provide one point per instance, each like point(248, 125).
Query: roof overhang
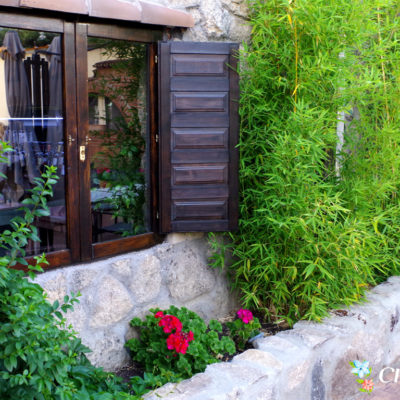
point(136, 11)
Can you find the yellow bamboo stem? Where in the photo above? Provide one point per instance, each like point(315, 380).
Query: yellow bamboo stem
point(297, 62)
point(293, 24)
point(383, 66)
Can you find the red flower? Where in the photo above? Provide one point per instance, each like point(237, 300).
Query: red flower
point(245, 315)
point(170, 323)
point(179, 341)
point(159, 314)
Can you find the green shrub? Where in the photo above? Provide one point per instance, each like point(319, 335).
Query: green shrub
point(39, 357)
point(319, 221)
point(243, 328)
point(175, 344)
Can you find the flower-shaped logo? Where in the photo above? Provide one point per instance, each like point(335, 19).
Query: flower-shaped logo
point(368, 385)
point(360, 368)
point(362, 371)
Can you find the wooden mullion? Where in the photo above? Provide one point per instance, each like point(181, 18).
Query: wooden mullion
point(165, 136)
point(70, 141)
point(83, 131)
point(153, 130)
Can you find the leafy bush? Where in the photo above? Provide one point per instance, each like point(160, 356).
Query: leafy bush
point(175, 344)
point(39, 357)
point(243, 328)
point(320, 215)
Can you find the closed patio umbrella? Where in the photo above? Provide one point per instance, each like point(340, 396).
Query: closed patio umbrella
point(55, 129)
point(20, 134)
point(55, 142)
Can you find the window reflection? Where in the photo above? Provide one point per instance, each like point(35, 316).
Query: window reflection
point(118, 138)
point(31, 121)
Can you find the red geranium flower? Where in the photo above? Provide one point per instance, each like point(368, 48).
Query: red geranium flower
point(179, 341)
point(170, 323)
point(159, 314)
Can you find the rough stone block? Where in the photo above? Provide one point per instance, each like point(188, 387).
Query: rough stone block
point(231, 377)
point(217, 20)
point(123, 267)
point(188, 274)
point(54, 284)
point(110, 353)
point(146, 283)
point(296, 377)
point(112, 303)
point(168, 390)
point(82, 278)
point(259, 359)
point(277, 343)
point(236, 7)
point(262, 389)
point(77, 318)
point(311, 334)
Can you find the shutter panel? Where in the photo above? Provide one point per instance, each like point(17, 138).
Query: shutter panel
point(198, 108)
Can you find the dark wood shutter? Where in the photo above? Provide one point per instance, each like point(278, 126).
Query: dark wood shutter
point(199, 124)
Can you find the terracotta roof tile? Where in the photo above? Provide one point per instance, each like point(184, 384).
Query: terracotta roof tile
point(71, 6)
point(10, 3)
point(115, 9)
point(159, 15)
point(138, 11)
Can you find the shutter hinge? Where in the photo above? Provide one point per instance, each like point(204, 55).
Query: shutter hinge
point(156, 58)
point(157, 216)
point(157, 137)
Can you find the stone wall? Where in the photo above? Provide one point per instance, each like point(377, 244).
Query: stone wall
point(120, 288)
point(310, 362)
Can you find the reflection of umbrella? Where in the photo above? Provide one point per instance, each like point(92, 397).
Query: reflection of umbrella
point(22, 139)
point(55, 130)
point(55, 144)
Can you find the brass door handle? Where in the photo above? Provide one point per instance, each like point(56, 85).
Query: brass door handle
point(82, 153)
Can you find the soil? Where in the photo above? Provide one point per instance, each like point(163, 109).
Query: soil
point(267, 328)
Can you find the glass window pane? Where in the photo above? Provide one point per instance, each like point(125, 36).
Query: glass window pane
point(31, 121)
point(118, 145)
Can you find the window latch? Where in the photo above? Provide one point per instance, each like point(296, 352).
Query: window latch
point(82, 153)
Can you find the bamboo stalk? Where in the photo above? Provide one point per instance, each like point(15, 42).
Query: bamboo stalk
point(293, 24)
point(382, 65)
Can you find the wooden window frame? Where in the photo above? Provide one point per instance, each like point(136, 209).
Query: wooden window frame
point(74, 33)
